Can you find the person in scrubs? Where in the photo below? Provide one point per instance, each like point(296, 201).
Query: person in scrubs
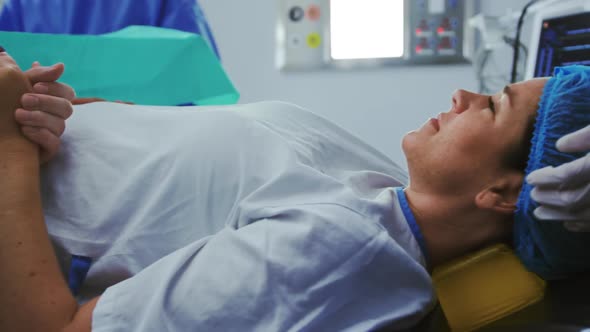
point(104, 16)
point(253, 217)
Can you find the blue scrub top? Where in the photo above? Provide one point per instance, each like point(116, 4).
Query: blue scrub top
point(97, 17)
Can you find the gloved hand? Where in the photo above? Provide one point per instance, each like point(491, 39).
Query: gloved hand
point(563, 192)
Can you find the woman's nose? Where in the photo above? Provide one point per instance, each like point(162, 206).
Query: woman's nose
point(463, 100)
point(460, 101)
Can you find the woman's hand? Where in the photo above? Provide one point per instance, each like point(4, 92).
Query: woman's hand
point(45, 110)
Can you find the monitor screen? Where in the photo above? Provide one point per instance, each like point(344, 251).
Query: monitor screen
point(564, 41)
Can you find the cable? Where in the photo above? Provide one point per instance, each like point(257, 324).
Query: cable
point(511, 41)
point(480, 61)
point(516, 44)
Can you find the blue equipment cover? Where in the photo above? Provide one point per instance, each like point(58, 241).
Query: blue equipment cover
point(139, 64)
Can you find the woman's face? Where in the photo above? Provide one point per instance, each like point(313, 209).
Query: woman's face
point(468, 145)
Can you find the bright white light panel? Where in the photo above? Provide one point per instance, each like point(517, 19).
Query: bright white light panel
point(377, 30)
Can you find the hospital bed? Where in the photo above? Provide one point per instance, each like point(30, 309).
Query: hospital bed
point(481, 301)
point(565, 307)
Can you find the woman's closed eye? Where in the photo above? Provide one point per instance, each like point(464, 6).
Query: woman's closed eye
point(491, 105)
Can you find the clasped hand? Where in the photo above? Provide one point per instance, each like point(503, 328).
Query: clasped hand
point(45, 110)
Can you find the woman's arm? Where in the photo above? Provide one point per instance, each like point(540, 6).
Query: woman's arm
point(33, 294)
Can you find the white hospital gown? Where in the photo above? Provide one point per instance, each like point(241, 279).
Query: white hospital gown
point(257, 217)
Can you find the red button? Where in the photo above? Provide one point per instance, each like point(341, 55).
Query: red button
point(313, 13)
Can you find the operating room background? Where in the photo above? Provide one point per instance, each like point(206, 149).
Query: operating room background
point(378, 105)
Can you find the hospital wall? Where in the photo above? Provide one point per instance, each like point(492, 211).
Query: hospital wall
point(378, 105)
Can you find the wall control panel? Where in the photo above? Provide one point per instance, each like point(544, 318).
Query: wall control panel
point(314, 34)
point(301, 34)
point(438, 32)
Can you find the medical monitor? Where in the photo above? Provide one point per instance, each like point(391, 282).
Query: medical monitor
point(561, 37)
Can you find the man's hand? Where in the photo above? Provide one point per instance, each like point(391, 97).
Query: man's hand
point(45, 110)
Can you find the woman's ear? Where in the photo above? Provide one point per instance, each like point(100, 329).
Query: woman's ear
point(502, 195)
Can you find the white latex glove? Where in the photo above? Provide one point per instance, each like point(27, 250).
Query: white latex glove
point(563, 192)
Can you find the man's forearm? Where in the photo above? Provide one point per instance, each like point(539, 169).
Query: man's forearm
point(33, 294)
